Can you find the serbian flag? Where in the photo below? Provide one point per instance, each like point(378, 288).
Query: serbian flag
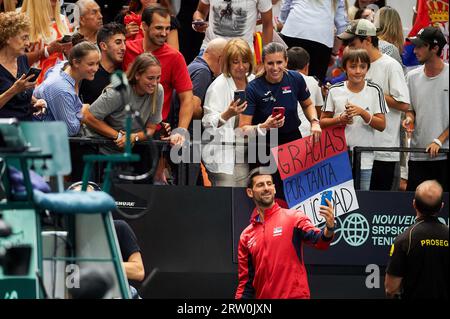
point(257, 46)
point(429, 13)
point(308, 169)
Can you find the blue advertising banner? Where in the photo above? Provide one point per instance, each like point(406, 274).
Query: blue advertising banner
point(362, 237)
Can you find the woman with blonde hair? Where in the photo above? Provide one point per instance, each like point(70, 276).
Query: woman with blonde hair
point(106, 116)
point(47, 27)
point(389, 24)
point(221, 115)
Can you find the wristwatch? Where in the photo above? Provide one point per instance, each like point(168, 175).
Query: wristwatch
point(330, 228)
point(119, 135)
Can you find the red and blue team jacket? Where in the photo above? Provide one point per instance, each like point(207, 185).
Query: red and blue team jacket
point(270, 255)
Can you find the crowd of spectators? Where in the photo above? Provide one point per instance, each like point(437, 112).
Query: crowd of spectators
point(57, 61)
point(76, 47)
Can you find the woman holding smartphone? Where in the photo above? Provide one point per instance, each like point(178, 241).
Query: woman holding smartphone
point(359, 105)
point(272, 104)
point(16, 87)
point(221, 114)
point(277, 88)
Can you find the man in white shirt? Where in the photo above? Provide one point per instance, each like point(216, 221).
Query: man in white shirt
point(298, 60)
point(312, 25)
point(428, 117)
point(388, 74)
point(233, 19)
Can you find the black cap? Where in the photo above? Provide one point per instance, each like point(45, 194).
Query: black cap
point(429, 35)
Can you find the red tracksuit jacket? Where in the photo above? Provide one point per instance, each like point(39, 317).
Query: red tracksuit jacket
point(270, 255)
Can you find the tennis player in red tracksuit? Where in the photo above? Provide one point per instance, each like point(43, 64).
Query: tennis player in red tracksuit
point(270, 256)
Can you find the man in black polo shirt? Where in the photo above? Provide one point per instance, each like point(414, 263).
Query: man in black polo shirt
point(418, 267)
point(111, 42)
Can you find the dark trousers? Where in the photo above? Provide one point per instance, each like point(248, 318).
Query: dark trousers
point(420, 171)
point(382, 175)
point(319, 55)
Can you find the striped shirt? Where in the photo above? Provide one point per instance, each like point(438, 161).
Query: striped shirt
point(63, 103)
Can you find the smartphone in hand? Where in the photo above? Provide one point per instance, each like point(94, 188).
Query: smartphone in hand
point(326, 195)
point(66, 39)
point(35, 72)
point(239, 95)
point(199, 23)
point(278, 110)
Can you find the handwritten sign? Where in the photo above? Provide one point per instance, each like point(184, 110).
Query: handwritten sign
point(307, 169)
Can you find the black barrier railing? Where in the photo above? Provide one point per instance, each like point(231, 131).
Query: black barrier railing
point(94, 144)
point(183, 168)
point(357, 150)
point(106, 141)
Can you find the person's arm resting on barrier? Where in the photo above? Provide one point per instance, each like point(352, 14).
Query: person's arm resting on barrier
point(186, 109)
point(434, 147)
point(98, 125)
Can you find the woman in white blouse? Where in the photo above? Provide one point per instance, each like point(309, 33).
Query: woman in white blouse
point(225, 164)
point(311, 24)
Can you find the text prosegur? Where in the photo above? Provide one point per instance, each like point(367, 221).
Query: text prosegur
point(434, 242)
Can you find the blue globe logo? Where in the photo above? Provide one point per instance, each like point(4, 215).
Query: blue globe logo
point(355, 229)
